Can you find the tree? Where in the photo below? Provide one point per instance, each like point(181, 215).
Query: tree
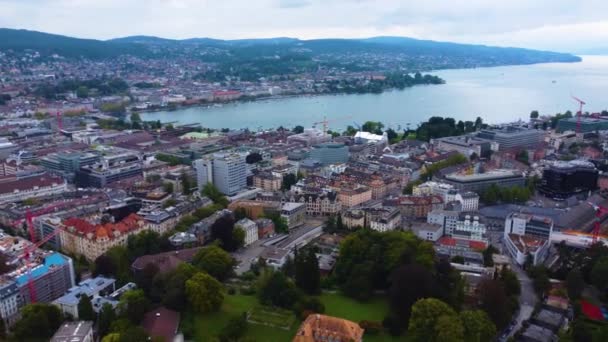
point(38, 322)
point(392, 136)
point(510, 282)
point(540, 278)
point(234, 329)
point(409, 283)
point(253, 158)
point(298, 129)
point(187, 183)
point(106, 317)
point(168, 187)
point(215, 261)
point(330, 224)
point(487, 256)
point(133, 305)
point(448, 329)
point(599, 274)
point(307, 273)
point(575, 284)
point(204, 292)
point(523, 157)
point(372, 127)
point(146, 242)
point(238, 236)
point(222, 230)
point(82, 92)
point(135, 117)
point(85, 309)
point(534, 114)
point(174, 286)
point(432, 318)
point(274, 288)
point(494, 301)
point(289, 180)
point(215, 195)
point(477, 326)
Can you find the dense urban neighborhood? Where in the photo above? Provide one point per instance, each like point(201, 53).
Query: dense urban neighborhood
point(119, 229)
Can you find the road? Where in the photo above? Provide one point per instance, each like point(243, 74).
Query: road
point(527, 297)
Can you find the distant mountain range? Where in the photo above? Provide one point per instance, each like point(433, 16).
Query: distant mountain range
point(216, 49)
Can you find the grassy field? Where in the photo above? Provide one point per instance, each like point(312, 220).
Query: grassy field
point(206, 327)
point(348, 308)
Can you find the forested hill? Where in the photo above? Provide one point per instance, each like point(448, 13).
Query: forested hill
point(363, 54)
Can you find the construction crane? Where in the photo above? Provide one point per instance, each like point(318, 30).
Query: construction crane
point(325, 122)
point(599, 214)
point(581, 103)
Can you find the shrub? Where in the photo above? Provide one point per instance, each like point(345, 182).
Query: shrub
point(371, 327)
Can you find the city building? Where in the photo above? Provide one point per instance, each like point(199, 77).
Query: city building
point(250, 229)
point(310, 136)
point(562, 179)
point(527, 224)
point(470, 229)
point(81, 237)
point(466, 145)
point(66, 164)
point(324, 204)
point(293, 213)
point(92, 287)
point(447, 219)
point(255, 209)
point(416, 207)
point(513, 137)
point(202, 229)
point(330, 153)
point(587, 124)
point(267, 182)
point(432, 188)
point(527, 236)
point(275, 257)
point(350, 197)
point(383, 219)
point(102, 175)
point(162, 324)
point(362, 137)
point(322, 328)
point(9, 302)
point(427, 231)
point(31, 187)
point(380, 219)
point(227, 171)
point(166, 262)
point(480, 181)
point(265, 227)
point(77, 331)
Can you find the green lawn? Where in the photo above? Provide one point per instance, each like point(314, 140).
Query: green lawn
point(206, 327)
point(373, 310)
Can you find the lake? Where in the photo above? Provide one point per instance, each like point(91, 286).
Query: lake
point(498, 94)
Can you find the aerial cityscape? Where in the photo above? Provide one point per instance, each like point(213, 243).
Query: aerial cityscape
point(351, 184)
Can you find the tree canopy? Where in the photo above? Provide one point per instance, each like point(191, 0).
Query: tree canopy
point(205, 293)
point(215, 261)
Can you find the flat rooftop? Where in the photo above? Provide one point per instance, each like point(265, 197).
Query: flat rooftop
point(496, 174)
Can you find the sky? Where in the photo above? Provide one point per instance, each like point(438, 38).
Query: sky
point(560, 25)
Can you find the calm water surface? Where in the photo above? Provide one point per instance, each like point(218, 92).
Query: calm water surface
point(499, 94)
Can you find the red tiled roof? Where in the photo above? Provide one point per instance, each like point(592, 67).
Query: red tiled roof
point(29, 183)
point(161, 322)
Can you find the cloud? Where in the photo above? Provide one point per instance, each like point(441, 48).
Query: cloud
point(547, 24)
point(294, 3)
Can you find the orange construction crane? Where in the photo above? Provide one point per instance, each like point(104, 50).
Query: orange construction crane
point(325, 122)
point(579, 113)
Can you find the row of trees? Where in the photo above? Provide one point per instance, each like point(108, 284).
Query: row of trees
point(516, 194)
